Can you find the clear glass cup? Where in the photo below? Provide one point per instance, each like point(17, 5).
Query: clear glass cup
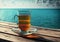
point(24, 25)
point(24, 21)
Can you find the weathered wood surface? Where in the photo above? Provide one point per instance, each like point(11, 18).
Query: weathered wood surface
point(45, 35)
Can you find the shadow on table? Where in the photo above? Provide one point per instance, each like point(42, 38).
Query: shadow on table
point(3, 40)
point(41, 39)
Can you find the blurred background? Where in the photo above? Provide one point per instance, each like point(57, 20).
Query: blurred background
point(49, 18)
point(44, 13)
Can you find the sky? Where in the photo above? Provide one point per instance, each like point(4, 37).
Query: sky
point(17, 3)
point(25, 4)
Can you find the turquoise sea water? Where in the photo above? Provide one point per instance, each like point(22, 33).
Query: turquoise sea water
point(49, 18)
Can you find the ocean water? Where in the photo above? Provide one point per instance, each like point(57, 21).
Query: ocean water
point(49, 18)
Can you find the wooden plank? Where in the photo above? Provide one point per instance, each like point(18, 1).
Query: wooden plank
point(45, 35)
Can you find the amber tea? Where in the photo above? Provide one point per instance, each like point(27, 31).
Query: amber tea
point(24, 22)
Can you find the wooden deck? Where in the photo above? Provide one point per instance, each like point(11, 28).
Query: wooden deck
point(46, 35)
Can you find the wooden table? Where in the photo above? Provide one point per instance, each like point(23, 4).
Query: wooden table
point(46, 35)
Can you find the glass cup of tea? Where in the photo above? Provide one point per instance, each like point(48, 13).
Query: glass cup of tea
point(24, 25)
point(24, 21)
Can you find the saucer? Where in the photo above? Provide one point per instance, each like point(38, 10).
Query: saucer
point(30, 31)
